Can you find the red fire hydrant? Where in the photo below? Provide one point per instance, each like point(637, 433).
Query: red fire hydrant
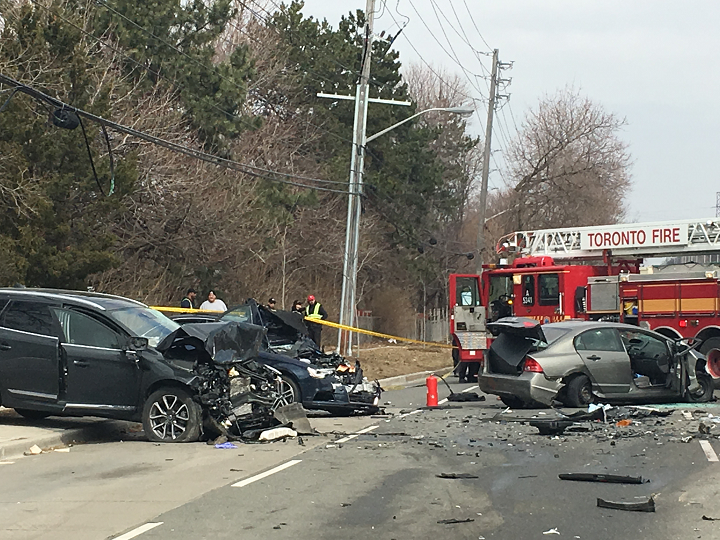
point(432, 395)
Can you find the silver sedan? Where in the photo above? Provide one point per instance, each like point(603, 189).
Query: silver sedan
point(578, 362)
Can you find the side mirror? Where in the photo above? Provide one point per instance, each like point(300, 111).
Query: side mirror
point(137, 344)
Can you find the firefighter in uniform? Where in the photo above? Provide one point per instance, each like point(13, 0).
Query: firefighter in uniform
point(315, 311)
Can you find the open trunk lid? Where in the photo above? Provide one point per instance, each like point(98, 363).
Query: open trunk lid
point(516, 336)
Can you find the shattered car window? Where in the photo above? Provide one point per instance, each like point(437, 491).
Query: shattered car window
point(145, 322)
point(239, 314)
point(551, 335)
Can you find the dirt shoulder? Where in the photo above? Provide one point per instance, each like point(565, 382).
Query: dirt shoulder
point(381, 361)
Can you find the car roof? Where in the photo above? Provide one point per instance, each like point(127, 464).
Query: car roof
point(580, 326)
point(93, 299)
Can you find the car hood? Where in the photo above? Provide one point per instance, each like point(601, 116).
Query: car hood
point(225, 342)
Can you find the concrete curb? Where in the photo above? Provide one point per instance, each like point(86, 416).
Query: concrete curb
point(14, 448)
point(403, 381)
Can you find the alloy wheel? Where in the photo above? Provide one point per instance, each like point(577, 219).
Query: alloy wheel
point(169, 417)
point(286, 394)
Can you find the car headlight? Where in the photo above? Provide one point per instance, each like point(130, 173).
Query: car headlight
point(316, 373)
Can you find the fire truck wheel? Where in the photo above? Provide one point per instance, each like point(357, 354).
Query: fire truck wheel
point(578, 392)
point(709, 344)
point(707, 390)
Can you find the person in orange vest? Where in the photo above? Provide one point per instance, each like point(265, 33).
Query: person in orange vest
point(315, 311)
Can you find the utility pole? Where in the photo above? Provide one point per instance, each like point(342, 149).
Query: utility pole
point(717, 204)
point(352, 231)
point(486, 164)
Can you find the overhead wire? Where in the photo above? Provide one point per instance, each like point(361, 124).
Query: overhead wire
point(186, 150)
point(104, 4)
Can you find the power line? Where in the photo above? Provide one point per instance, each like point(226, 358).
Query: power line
point(205, 66)
point(453, 56)
point(476, 26)
point(197, 154)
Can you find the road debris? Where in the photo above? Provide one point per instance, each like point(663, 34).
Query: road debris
point(551, 531)
point(708, 518)
point(225, 446)
point(34, 450)
point(644, 506)
point(456, 476)
point(551, 427)
point(453, 521)
point(277, 433)
point(606, 478)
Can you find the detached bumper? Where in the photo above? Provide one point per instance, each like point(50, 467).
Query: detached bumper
point(529, 387)
point(364, 399)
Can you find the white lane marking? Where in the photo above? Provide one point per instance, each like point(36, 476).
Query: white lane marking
point(260, 476)
point(443, 401)
point(409, 413)
point(6, 462)
point(471, 388)
point(709, 452)
point(138, 531)
point(351, 437)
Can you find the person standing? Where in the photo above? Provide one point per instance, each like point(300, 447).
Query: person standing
point(297, 307)
point(189, 301)
point(271, 304)
point(314, 310)
point(213, 303)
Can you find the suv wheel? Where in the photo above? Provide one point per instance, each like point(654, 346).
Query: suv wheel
point(171, 415)
point(32, 415)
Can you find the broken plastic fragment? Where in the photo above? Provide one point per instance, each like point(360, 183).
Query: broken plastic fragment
point(607, 478)
point(551, 531)
point(644, 506)
point(456, 476)
point(277, 433)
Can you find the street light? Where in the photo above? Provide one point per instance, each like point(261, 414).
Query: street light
point(352, 234)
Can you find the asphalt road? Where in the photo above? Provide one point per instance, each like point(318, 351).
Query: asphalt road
point(380, 484)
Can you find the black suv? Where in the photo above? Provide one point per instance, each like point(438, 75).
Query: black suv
point(87, 354)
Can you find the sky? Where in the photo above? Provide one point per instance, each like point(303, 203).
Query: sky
point(652, 62)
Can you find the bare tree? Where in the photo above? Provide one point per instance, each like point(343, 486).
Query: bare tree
point(568, 165)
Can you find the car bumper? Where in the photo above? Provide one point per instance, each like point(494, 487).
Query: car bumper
point(529, 387)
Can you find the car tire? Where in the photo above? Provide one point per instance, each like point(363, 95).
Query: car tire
point(513, 402)
point(33, 415)
point(578, 392)
point(171, 415)
point(289, 392)
point(707, 390)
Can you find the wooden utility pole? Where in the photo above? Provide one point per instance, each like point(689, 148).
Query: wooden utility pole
point(486, 164)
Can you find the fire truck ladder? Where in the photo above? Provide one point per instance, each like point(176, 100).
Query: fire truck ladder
point(630, 240)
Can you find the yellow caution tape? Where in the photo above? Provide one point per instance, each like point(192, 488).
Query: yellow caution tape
point(325, 323)
point(185, 310)
point(378, 334)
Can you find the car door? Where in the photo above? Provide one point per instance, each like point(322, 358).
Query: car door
point(604, 356)
point(100, 374)
point(29, 354)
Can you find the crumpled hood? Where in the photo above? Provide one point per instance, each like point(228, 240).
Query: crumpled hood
point(225, 342)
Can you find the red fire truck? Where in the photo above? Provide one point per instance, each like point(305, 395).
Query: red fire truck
point(595, 273)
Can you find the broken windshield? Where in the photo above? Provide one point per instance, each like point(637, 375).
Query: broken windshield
point(144, 322)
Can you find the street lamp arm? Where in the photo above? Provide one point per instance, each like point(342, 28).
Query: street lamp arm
point(456, 110)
